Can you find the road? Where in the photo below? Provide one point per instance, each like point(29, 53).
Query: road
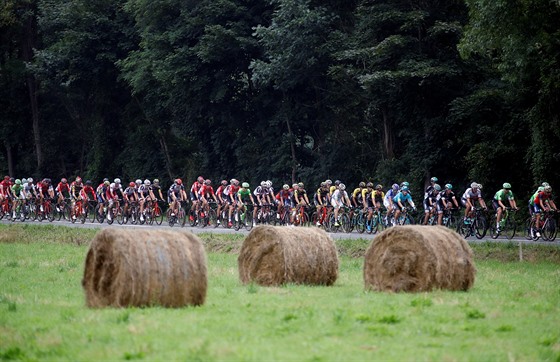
point(220, 230)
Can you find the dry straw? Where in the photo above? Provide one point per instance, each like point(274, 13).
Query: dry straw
point(144, 268)
point(417, 259)
point(273, 256)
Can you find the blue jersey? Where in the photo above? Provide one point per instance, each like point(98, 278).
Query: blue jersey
point(402, 198)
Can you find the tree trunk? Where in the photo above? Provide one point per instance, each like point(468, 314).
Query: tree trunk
point(30, 43)
point(293, 149)
point(388, 137)
point(10, 158)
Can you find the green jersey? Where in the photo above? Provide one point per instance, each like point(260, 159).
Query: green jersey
point(16, 189)
point(244, 194)
point(502, 196)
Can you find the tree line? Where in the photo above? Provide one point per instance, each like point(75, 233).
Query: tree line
point(287, 90)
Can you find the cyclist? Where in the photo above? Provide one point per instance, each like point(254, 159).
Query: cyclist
point(18, 196)
point(143, 193)
point(156, 190)
point(62, 190)
point(444, 201)
point(195, 194)
point(388, 201)
point(300, 195)
point(469, 198)
point(112, 195)
point(542, 202)
point(175, 195)
point(75, 188)
point(231, 196)
point(430, 199)
point(29, 189)
point(399, 201)
point(339, 198)
point(207, 192)
point(222, 199)
point(5, 188)
point(501, 196)
point(357, 197)
point(333, 188)
point(87, 192)
point(45, 190)
point(284, 200)
point(101, 192)
point(321, 199)
point(373, 200)
point(244, 197)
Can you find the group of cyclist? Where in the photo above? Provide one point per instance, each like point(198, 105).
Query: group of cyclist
point(234, 194)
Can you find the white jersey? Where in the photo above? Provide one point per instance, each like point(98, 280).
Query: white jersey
point(470, 194)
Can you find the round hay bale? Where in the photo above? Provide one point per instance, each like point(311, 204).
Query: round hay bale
point(418, 258)
point(144, 268)
point(274, 256)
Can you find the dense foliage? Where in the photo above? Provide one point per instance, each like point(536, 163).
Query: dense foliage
point(380, 90)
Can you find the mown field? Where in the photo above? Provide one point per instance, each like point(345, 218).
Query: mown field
point(512, 313)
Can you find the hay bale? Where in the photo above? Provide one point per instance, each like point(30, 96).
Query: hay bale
point(278, 255)
point(144, 268)
point(417, 259)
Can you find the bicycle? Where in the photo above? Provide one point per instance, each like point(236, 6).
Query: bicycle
point(321, 220)
point(508, 226)
point(547, 226)
point(301, 218)
point(343, 220)
point(474, 225)
point(359, 220)
point(376, 223)
point(242, 218)
point(79, 212)
point(263, 215)
point(449, 220)
point(6, 208)
point(404, 218)
point(63, 210)
point(45, 210)
point(180, 217)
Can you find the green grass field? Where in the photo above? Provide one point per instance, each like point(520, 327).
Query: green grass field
point(512, 313)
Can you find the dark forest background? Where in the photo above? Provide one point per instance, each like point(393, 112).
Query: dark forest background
point(287, 90)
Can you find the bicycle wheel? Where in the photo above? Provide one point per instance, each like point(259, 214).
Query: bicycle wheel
point(120, 216)
point(510, 227)
point(360, 222)
point(99, 213)
point(157, 215)
point(549, 230)
point(83, 214)
point(50, 211)
point(91, 212)
point(493, 230)
point(345, 224)
point(480, 227)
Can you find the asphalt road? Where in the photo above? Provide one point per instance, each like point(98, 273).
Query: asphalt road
point(221, 230)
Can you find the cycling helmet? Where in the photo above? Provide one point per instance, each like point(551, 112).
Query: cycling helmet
point(449, 186)
point(434, 179)
point(540, 189)
point(379, 187)
point(263, 183)
point(179, 181)
point(63, 180)
point(328, 182)
point(147, 182)
point(48, 180)
point(300, 184)
point(12, 179)
point(479, 186)
point(131, 184)
point(369, 184)
point(286, 187)
point(117, 180)
point(156, 181)
point(18, 181)
point(236, 182)
point(107, 183)
point(404, 188)
point(88, 182)
point(224, 182)
point(506, 186)
point(269, 183)
point(362, 184)
point(105, 179)
point(323, 184)
point(30, 180)
point(139, 182)
point(474, 185)
point(207, 182)
point(200, 179)
point(545, 184)
point(342, 186)
point(547, 189)
point(295, 186)
point(7, 178)
point(23, 180)
point(404, 183)
point(245, 185)
point(437, 187)
point(395, 187)
point(337, 183)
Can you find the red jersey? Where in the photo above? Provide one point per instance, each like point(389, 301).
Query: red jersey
point(87, 192)
point(6, 184)
point(61, 187)
point(196, 186)
point(76, 188)
point(43, 187)
point(284, 195)
point(541, 196)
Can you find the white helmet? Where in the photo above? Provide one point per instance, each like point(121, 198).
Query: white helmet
point(117, 180)
point(30, 180)
point(474, 185)
point(147, 182)
point(342, 186)
point(138, 182)
point(268, 183)
point(263, 183)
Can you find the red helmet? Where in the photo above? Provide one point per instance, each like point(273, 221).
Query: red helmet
point(64, 180)
point(200, 179)
point(179, 181)
point(224, 182)
point(78, 179)
point(207, 182)
point(7, 178)
point(131, 184)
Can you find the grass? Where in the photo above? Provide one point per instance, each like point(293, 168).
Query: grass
point(512, 313)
